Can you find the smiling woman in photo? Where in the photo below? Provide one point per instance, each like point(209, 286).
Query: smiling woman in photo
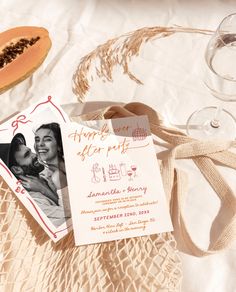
point(48, 146)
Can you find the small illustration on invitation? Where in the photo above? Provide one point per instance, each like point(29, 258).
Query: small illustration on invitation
point(32, 163)
point(114, 172)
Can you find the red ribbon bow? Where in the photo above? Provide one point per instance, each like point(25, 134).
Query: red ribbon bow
point(19, 119)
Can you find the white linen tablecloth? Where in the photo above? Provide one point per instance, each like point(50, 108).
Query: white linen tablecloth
point(171, 70)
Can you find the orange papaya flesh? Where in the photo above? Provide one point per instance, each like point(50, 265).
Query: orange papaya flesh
point(22, 51)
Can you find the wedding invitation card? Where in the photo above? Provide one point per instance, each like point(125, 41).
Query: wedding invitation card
point(114, 180)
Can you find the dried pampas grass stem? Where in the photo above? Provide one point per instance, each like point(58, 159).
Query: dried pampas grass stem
point(119, 51)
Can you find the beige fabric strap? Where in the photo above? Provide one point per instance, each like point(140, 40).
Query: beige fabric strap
point(205, 155)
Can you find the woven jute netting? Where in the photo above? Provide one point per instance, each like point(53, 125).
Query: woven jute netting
point(30, 261)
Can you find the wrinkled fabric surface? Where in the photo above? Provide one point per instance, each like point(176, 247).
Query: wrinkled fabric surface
point(171, 70)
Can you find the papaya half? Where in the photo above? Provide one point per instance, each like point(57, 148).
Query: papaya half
point(22, 50)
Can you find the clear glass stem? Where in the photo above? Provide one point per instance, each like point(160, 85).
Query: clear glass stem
point(215, 122)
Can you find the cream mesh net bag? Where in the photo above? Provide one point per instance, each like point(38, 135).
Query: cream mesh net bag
point(32, 262)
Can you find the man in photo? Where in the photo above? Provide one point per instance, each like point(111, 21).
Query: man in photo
point(25, 165)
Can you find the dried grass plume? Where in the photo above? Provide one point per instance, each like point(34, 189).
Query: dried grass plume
point(119, 52)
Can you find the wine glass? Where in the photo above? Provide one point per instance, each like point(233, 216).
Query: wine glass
point(134, 168)
point(220, 56)
point(129, 172)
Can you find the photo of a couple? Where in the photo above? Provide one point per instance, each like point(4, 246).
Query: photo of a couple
point(41, 170)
